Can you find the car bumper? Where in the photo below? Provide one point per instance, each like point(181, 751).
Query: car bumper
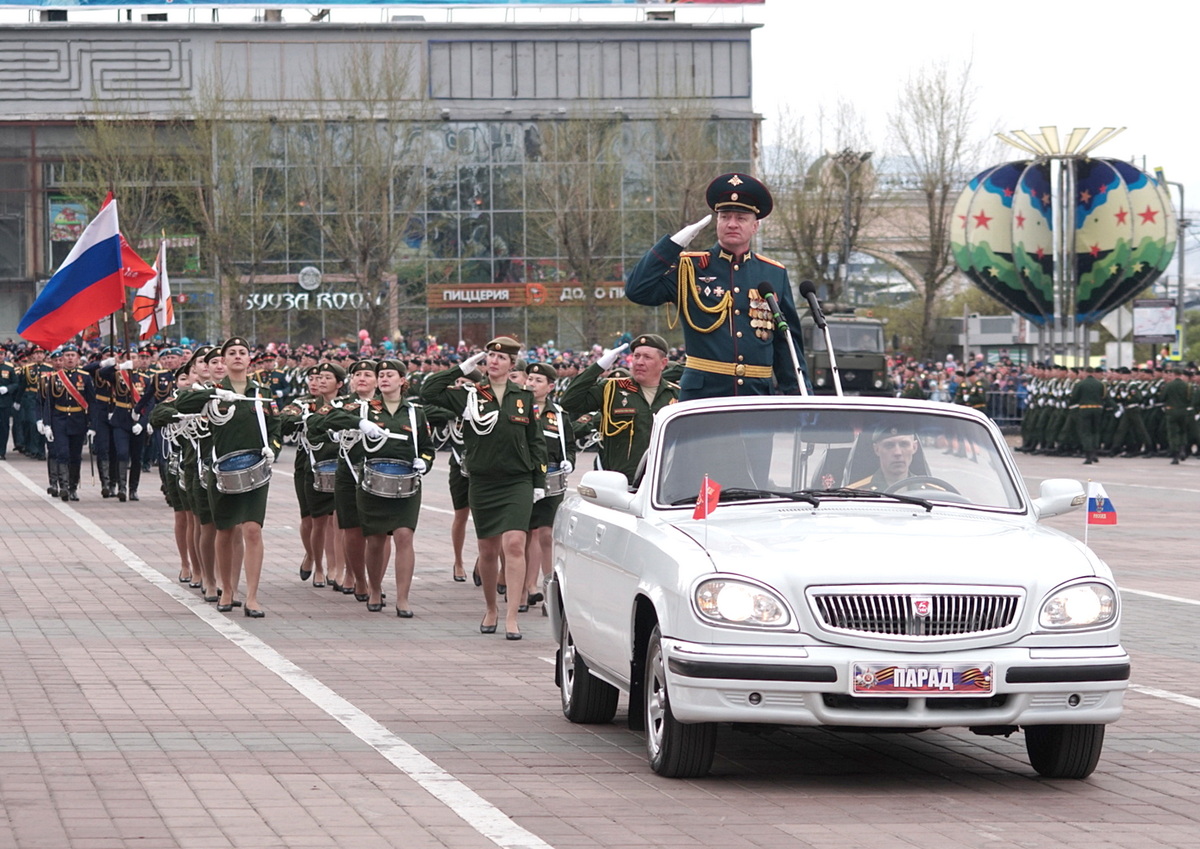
point(814, 686)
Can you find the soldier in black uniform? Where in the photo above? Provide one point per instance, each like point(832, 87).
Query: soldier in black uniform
point(68, 396)
point(10, 386)
point(728, 324)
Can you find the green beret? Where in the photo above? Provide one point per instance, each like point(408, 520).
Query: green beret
point(391, 363)
point(652, 340)
point(331, 368)
point(362, 365)
point(888, 431)
point(212, 354)
point(545, 370)
point(505, 345)
point(235, 340)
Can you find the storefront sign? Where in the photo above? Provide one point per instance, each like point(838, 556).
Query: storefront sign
point(523, 295)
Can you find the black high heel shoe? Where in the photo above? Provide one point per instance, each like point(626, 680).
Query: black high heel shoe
point(475, 577)
point(254, 613)
point(404, 614)
point(486, 629)
point(458, 579)
point(374, 608)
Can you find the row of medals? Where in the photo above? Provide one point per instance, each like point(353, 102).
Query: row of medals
point(760, 316)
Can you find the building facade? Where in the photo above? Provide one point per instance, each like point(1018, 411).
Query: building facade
point(427, 178)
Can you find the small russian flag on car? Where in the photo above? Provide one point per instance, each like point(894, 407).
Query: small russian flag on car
point(1100, 509)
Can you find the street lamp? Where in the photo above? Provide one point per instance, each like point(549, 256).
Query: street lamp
point(848, 162)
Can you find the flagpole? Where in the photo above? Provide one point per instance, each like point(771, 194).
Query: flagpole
point(1087, 511)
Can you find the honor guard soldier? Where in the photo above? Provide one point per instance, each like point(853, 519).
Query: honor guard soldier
point(68, 396)
point(10, 385)
point(627, 404)
point(127, 387)
point(729, 327)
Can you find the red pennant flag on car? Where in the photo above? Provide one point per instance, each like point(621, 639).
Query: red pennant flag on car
point(710, 494)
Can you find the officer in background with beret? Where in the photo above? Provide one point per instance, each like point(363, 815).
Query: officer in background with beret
point(732, 344)
point(627, 404)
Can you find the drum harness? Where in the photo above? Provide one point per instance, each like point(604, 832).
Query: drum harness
point(379, 443)
point(219, 418)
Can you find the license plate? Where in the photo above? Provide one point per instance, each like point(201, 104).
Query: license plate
point(923, 679)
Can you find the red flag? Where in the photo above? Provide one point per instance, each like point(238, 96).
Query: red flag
point(710, 494)
point(134, 270)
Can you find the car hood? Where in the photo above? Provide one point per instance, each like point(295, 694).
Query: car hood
point(888, 544)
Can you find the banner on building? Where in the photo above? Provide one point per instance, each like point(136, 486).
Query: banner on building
point(495, 295)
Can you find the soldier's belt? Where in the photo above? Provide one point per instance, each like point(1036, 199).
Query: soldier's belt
point(62, 409)
point(124, 405)
point(1090, 406)
point(730, 369)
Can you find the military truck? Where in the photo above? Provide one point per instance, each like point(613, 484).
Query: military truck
point(858, 348)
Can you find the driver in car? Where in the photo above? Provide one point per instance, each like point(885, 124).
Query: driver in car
point(895, 448)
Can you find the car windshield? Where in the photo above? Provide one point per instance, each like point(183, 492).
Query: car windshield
point(834, 454)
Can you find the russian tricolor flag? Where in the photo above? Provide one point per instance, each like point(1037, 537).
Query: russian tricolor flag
point(1100, 508)
point(87, 286)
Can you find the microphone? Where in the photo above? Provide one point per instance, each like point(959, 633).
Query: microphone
point(809, 292)
point(768, 293)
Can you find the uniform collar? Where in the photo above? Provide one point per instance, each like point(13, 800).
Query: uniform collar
point(726, 255)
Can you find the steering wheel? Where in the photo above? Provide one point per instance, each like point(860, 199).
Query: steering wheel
point(919, 481)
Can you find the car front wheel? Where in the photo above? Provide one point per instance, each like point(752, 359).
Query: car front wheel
point(1064, 751)
point(675, 749)
point(585, 698)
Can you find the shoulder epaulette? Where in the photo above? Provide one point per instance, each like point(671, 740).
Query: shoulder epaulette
point(770, 261)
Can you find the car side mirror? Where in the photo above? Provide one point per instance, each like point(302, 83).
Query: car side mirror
point(1057, 496)
point(608, 489)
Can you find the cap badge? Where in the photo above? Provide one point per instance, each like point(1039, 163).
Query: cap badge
point(733, 196)
point(735, 180)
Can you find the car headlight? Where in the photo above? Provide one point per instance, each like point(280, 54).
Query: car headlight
point(729, 602)
point(1079, 606)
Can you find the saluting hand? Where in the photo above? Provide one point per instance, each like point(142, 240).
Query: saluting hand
point(472, 362)
point(609, 358)
point(684, 237)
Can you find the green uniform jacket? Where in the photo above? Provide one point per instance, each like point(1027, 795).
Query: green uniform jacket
point(345, 414)
point(513, 446)
point(625, 417)
point(240, 432)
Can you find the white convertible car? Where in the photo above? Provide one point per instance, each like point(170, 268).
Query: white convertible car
point(867, 564)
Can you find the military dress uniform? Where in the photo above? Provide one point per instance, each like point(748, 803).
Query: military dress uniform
point(560, 446)
point(1087, 398)
point(625, 416)
point(68, 397)
point(448, 435)
point(126, 388)
point(1176, 397)
point(505, 449)
point(728, 329)
point(10, 390)
point(234, 426)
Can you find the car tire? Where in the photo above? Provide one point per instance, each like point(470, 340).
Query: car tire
point(585, 698)
point(1064, 751)
point(675, 749)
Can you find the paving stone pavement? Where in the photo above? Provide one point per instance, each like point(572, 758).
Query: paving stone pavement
point(133, 714)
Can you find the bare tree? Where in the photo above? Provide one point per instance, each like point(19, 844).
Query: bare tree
point(364, 154)
point(578, 181)
point(824, 197)
point(933, 130)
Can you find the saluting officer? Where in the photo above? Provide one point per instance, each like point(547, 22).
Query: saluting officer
point(728, 328)
point(627, 404)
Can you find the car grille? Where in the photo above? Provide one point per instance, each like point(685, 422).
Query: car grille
point(895, 614)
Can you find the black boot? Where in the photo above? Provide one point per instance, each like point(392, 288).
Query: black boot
point(72, 483)
point(102, 465)
point(122, 474)
point(52, 476)
point(64, 477)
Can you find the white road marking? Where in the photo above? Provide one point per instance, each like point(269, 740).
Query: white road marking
point(481, 815)
point(1178, 698)
point(1161, 596)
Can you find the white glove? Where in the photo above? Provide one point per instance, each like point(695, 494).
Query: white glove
point(49, 434)
point(137, 430)
point(538, 494)
point(108, 362)
point(278, 393)
point(472, 362)
point(3, 390)
point(17, 407)
point(149, 428)
point(609, 358)
point(369, 428)
point(41, 427)
point(91, 434)
point(110, 415)
point(125, 366)
point(684, 237)
point(268, 454)
point(223, 394)
point(420, 466)
point(567, 466)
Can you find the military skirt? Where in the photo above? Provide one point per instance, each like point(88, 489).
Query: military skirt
point(501, 504)
point(173, 489)
point(196, 496)
point(302, 484)
point(460, 485)
point(380, 515)
point(345, 497)
point(544, 510)
point(319, 503)
point(230, 510)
